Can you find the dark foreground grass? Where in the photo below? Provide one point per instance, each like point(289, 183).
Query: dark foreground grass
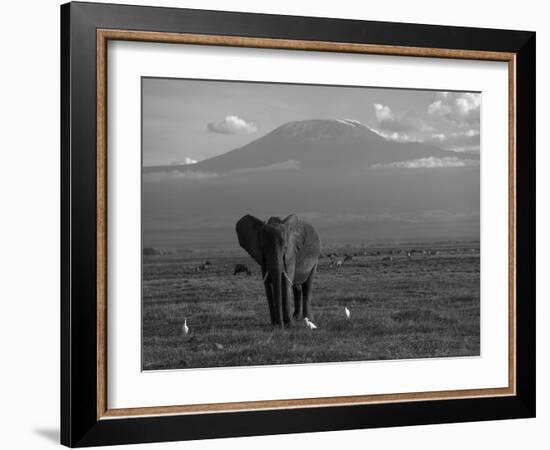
point(423, 307)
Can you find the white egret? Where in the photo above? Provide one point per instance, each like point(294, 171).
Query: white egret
point(185, 328)
point(310, 324)
point(348, 313)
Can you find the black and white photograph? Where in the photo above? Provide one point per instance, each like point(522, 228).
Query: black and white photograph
point(293, 224)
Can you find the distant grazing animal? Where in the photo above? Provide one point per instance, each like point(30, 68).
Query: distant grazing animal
point(347, 312)
point(185, 328)
point(339, 263)
point(310, 324)
point(241, 268)
point(287, 251)
point(387, 258)
point(409, 255)
point(348, 258)
point(201, 267)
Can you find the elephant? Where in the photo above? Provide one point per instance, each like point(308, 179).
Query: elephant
point(287, 251)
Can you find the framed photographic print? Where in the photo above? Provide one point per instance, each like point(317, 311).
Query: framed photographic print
point(276, 224)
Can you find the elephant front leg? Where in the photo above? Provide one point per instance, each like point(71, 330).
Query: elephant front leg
point(287, 294)
point(297, 291)
point(307, 291)
point(269, 295)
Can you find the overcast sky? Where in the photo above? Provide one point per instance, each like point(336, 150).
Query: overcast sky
point(191, 120)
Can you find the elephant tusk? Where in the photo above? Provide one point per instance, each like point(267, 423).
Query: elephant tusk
point(284, 273)
point(288, 278)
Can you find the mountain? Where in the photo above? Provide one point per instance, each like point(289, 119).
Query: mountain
point(335, 173)
point(319, 144)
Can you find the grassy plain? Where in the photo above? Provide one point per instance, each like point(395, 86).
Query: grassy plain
point(424, 306)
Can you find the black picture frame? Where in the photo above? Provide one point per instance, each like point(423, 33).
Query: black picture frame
point(80, 425)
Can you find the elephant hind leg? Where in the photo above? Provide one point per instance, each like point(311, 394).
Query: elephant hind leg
point(306, 295)
point(297, 291)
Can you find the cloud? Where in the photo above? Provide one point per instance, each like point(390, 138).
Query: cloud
point(395, 136)
point(178, 175)
point(431, 162)
point(383, 112)
point(461, 108)
point(459, 141)
point(186, 161)
point(175, 174)
point(232, 125)
point(388, 121)
point(291, 164)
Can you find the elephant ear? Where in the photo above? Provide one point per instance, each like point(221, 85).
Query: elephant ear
point(291, 221)
point(248, 232)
